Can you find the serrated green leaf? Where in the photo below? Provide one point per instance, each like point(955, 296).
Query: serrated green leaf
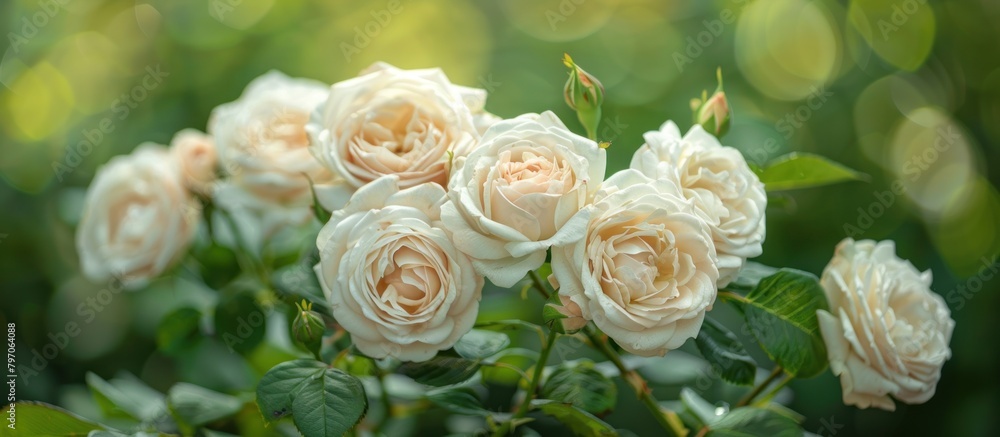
point(781, 313)
point(125, 396)
point(802, 170)
point(579, 422)
point(330, 403)
point(322, 401)
point(582, 386)
point(460, 400)
point(276, 387)
point(195, 405)
point(441, 370)
point(177, 330)
point(479, 344)
point(41, 419)
point(754, 422)
point(725, 353)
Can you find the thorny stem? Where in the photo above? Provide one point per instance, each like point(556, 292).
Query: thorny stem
point(533, 384)
point(667, 418)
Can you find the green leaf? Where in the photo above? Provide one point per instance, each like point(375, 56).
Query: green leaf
point(579, 422)
point(239, 321)
point(195, 405)
point(330, 403)
point(217, 265)
point(750, 276)
point(802, 170)
point(753, 422)
point(41, 419)
point(275, 389)
point(582, 386)
point(322, 401)
point(178, 330)
point(725, 353)
point(460, 400)
point(125, 396)
point(441, 370)
point(781, 313)
point(479, 344)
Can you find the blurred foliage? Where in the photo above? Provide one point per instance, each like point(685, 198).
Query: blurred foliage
point(906, 91)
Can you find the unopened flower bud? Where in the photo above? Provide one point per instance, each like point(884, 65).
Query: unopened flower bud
point(308, 328)
point(713, 113)
point(584, 94)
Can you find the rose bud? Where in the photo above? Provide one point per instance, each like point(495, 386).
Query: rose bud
point(308, 328)
point(585, 94)
point(713, 113)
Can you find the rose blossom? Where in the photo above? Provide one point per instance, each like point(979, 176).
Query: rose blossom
point(393, 277)
point(886, 333)
point(196, 158)
point(262, 141)
point(645, 271)
point(137, 219)
point(521, 191)
point(409, 123)
point(721, 184)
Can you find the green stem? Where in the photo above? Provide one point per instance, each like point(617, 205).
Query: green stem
point(508, 426)
point(729, 295)
point(539, 284)
point(386, 402)
point(763, 400)
point(760, 387)
point(667, 419)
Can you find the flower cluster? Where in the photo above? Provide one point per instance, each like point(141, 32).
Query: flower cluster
point(429, 196)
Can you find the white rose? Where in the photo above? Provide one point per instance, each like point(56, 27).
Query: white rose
point(196, 158)
point(262, 141)
point(721, 184)
point(137, 219)
point(645, 272)
point(886, 333)
point(389, 121)
point(520, 192)
point(392, 275)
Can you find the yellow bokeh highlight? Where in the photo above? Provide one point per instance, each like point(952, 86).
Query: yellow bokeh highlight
point(933, 158)
point(787, 48)
point(900, 31)
point(558, 20)
point(39, 102)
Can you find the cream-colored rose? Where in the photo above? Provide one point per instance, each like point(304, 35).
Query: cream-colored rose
point(520, 192)
point(388, 121)
point(886, 332)
point(262, 142)
point(138, 219)
point(392, 275)
point(721, 184)
point(645, 272)
point(196, 158)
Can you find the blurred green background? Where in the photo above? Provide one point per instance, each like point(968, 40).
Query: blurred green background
point(874, 84)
